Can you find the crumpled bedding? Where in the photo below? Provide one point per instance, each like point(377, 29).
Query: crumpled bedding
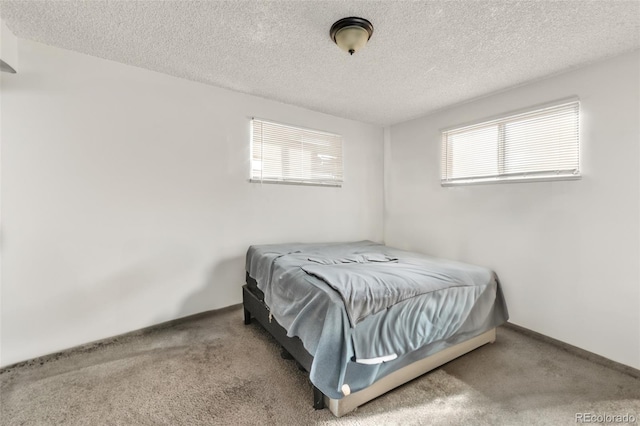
point(364, 310)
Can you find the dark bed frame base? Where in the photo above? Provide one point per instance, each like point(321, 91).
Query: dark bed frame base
point(254, 307)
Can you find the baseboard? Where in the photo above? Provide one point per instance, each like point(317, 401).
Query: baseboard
point(92, 346)
point(574, 350)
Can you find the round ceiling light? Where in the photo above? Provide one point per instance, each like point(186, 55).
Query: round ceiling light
point(351, 34)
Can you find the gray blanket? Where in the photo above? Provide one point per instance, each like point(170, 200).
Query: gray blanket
point(364, 310)
point(368, 288)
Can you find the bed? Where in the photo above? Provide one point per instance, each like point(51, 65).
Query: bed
point(363, 318)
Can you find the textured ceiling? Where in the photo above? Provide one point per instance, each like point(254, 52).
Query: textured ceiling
point(423, 56)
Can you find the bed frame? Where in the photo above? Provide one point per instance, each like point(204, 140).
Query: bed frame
point(254, 307)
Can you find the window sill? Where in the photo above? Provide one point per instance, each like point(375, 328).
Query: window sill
point(303, 183)
point(491, 181)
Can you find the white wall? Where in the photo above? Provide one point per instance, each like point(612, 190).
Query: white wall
point(567, 252)
point(126, 201)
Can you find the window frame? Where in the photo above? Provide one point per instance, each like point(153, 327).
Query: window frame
point(304, 182)
point(501, 120)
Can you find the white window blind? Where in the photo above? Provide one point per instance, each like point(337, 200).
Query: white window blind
point(537, 145)
point(286, 154)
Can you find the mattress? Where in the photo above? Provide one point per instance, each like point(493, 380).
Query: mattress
point(364, 310)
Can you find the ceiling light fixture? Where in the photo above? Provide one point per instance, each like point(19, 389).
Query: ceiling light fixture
point(351, 34)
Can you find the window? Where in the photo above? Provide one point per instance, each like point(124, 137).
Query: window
point(536, 145)
point(286, 154)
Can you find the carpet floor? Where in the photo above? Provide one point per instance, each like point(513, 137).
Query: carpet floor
point(213, 370)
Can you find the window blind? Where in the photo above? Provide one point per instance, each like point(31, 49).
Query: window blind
point(537, 145)
point(287, 154)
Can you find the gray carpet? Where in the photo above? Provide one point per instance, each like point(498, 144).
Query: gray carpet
point(214, 370)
